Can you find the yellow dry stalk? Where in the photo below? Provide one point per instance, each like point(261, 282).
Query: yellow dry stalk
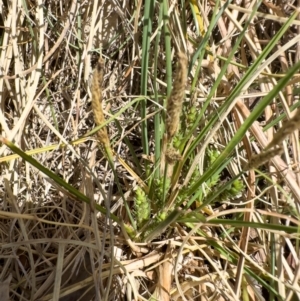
point(96, 89)
point(287, 128)
point(174, 102)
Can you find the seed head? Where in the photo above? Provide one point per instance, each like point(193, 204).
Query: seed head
point(96, 90)
point(174, 102)
point(287, 128)
point(263, 157)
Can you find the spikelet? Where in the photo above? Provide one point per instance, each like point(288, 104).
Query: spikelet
point(174, 102)
point(172, 155)
point(288, 127)
point(96, 89)
point(263, 157)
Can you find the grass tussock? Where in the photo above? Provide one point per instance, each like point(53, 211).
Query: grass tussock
point(195, 192)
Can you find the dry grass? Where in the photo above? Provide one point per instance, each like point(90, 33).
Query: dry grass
point(56, 248)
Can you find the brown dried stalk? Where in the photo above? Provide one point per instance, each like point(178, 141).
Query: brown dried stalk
point(96, 89)
point(174, 102)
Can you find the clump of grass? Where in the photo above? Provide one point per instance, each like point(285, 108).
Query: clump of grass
point(202, 205)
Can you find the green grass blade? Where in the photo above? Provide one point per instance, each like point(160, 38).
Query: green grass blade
point(147, 29)
point(197, 55)
point(246, 125)
point(161, 227)
point(158, 125)
point(77, 194)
